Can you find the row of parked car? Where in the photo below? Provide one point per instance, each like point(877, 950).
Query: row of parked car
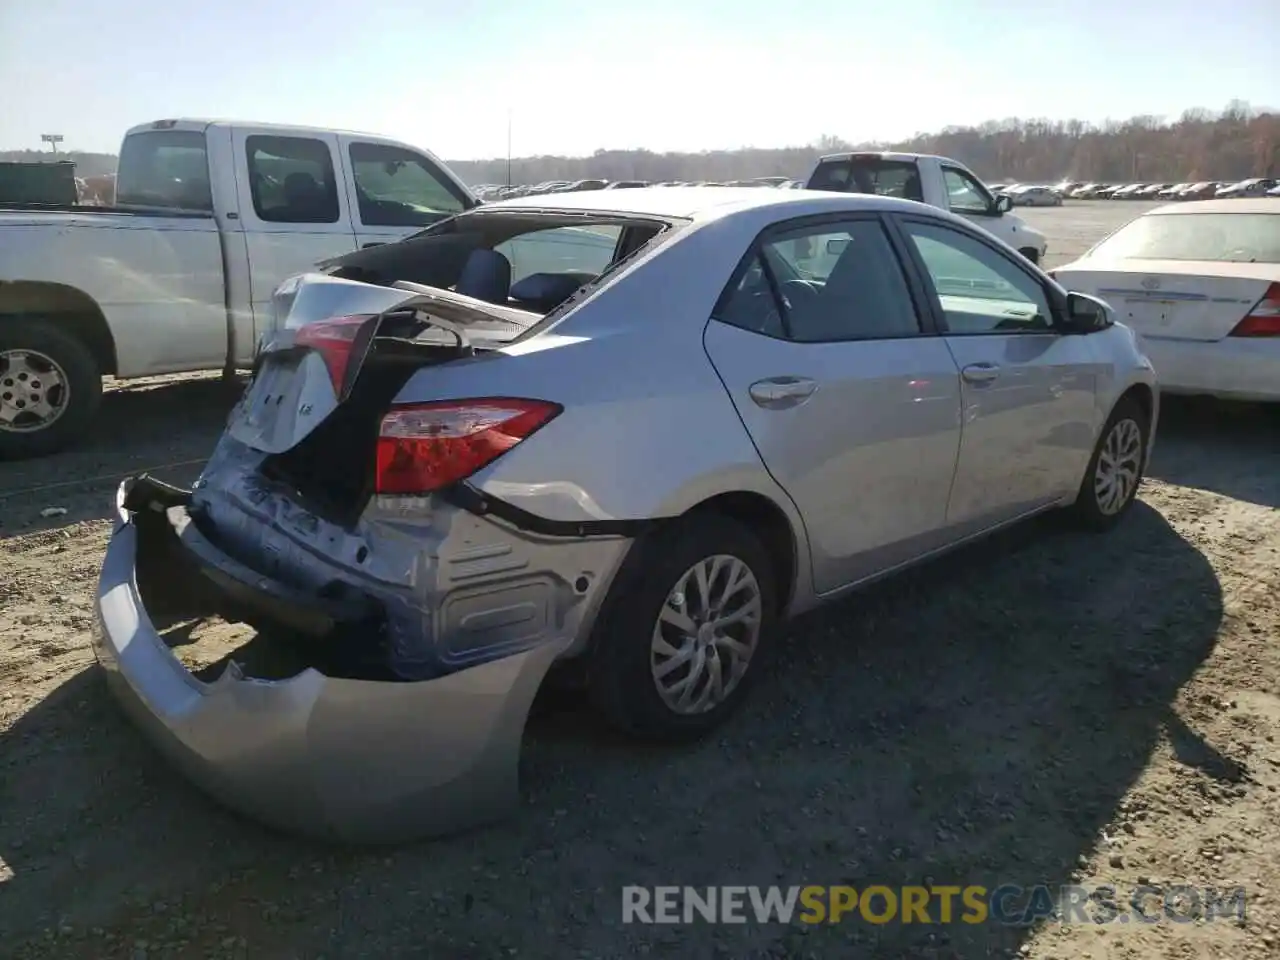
point(1035, 195)
point(495, 191)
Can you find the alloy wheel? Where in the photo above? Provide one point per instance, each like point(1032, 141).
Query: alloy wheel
point(705, 635)
point(34, 391)
point(1119, 464)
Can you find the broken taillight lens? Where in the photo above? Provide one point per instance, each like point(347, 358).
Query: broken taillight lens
point(335, 341)
point(1264, 319)
point(424, 447)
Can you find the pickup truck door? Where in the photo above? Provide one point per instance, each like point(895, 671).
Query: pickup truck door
point(293, 205)
point(964, 196)
point(394, 190)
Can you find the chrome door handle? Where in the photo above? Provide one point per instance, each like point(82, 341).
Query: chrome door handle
point(778, 393)
point(980, 372)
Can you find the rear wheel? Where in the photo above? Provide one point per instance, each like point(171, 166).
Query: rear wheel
point(1111, 483)
point(684, 631)
point(1031, 253)
point(50, 388)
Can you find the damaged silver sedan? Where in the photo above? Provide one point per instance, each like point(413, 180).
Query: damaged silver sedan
point(632, 438)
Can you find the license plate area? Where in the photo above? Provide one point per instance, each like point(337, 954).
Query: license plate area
point(1151, 315)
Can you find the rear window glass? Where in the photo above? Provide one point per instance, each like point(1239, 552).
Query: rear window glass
point(1224, 237)
point(164, 168)
point(876, 175)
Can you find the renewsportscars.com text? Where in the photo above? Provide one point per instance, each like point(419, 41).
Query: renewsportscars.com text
point(1007, 905)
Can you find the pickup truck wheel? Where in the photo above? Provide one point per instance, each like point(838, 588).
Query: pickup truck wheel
point(1031, 253)
point(50, 388)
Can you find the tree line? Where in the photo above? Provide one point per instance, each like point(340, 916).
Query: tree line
point(1237, 142)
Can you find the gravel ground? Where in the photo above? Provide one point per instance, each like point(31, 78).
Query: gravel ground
point(1042, 707)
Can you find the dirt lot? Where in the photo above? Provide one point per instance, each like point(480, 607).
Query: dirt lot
point(1044, 707)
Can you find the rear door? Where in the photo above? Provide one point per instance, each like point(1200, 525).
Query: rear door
point(294, 210)
point(852, 402)
point(1027, 391)
point(394, 191)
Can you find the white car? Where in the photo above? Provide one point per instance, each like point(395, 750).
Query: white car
point(1199, 282)
point(1034, 197)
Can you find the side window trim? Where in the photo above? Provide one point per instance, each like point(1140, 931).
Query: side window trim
point(920, 296)
point(935, 302)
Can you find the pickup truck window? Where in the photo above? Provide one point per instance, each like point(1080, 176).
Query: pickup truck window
point(966, 195)
point(164, 168)
point(874, 175)
point(291, 180)
point(399, 188)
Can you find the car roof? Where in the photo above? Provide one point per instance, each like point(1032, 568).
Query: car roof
point(1249, 205)
point(698, 203)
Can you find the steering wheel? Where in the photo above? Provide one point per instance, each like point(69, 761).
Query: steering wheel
point(797, 293)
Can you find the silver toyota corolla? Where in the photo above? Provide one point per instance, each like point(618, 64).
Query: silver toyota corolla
point(636, 430)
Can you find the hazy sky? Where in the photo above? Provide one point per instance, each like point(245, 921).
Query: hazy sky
point(662, 74)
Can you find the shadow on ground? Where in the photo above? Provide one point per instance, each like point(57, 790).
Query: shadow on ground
point(1227, 448)
point(974, 722)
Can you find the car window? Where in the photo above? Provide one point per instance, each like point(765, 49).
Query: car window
point(291, 180)
point(1224, 237)
point(399, 188)
point(585, 249)
point(965, 194)
point(980, 290)
point(837, 282)
point(164, 168)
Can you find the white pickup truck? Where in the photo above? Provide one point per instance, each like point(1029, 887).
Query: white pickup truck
point(937, 181)
point(210, 217)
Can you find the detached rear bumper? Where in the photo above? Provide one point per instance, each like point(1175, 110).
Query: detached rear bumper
point(343, 759)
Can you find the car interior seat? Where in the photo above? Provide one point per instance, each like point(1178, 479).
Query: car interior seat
point(306, 200)
point(486, 275)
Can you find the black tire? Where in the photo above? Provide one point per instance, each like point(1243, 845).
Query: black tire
point(1031, 254)
point(1087, 511)
point(83, 384)
point(619, 672)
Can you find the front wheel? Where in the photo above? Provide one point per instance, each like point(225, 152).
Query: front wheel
point(1031, 253)
point(50, 388)
point(1111, 482)
point(684, 630)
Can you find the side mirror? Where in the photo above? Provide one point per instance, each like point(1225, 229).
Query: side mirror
point(1004, 203)
point(836, 246)
point(1086, 314)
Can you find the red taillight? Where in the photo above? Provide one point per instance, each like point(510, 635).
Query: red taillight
point(427, 446)
point(334, 341)
point(1264, 319)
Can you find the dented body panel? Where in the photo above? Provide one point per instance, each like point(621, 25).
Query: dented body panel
point(344, 758)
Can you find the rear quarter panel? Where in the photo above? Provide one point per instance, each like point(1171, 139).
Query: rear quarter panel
point(157, 280)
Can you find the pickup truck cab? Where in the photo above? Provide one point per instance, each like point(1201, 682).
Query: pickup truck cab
point(210, 217)
point(939, 182)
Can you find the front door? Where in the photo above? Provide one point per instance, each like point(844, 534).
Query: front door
point(293, 209)
point(1027, 390)
point(852, 404)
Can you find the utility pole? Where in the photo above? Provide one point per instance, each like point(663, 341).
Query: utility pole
point(508, 146)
